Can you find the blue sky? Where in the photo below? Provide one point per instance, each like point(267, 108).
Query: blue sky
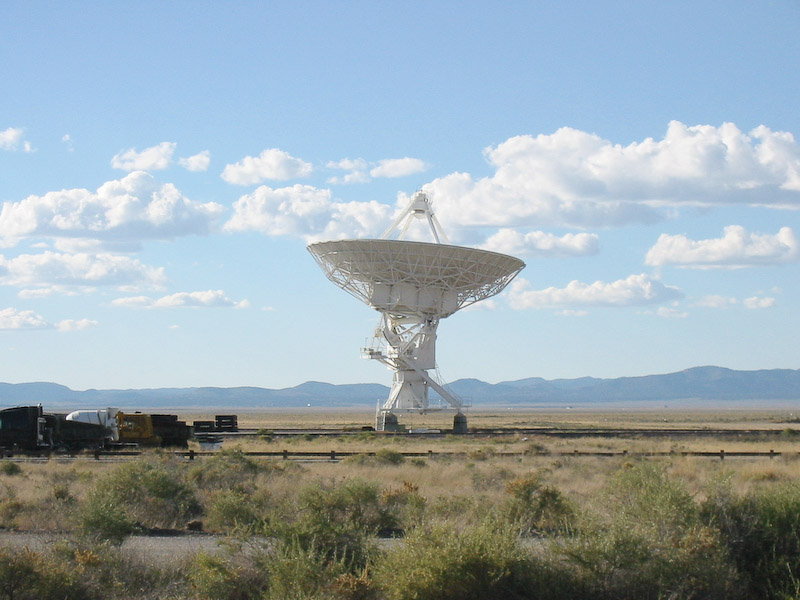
point(163, 166)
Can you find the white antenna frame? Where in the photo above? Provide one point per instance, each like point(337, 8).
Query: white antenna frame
point(413, 285)
point(419, 207)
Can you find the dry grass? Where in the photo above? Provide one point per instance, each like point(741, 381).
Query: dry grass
point(517, 417)
point(43, 495)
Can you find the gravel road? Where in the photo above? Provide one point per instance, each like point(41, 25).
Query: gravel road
point(149, 549)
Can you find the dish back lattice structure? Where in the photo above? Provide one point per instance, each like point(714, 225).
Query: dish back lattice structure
point(413, 285)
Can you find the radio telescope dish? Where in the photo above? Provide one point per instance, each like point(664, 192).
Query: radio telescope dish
point(413, 285)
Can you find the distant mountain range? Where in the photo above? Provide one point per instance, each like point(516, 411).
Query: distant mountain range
point(698, 386)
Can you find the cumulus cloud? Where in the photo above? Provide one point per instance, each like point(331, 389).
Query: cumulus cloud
point(271, 164)
point(11, 318)
point(737, 248)
point(577, 179)
point(132, 208)
point(360, 171)
point(206, 299)
point(196, 162)
point(50, 270)
point(539, 243)
point(636, 290)
point(305, 211)
point(715, 301)
point(759, 302)
point(398, 167)
point(671, 313)
point(356, 167)
point(722, 302)
point(12, 139)
point(154, 158)
point(73, 325)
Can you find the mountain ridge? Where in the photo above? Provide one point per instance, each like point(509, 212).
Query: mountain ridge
point(706, 384)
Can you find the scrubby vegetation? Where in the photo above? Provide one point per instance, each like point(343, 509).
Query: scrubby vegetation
point(381, 527)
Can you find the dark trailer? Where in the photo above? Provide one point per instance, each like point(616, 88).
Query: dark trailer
point(30, 428)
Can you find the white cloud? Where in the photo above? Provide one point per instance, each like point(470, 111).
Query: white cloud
point(671, 313)
point(132, 208)
point(636, 290)
point(206, 299)
point(12, 139)
point(715, 301)
point(67, 139)
point(348, 164)
point(758, 302)
point(154, 158)
point(11, 318)
point(398, 167)
point(573, 178)
point(305, 211)
point(360, 171)
point(271, 164)
point(55, 270)
point(539, 243)
point(79, 325)
point(357, 168)
point(737, 248)
point(196, 162)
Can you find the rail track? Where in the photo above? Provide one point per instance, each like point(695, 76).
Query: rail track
point(563, 432)
point(476, 433)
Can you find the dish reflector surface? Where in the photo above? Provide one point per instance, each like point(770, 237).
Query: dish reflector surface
point(415, 278)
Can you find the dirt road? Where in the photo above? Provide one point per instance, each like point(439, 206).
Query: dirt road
point(149, 549)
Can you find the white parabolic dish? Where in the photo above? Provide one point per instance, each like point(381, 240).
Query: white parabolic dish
point(414, 279)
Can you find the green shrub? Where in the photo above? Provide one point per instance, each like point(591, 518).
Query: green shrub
point(235, 511)
point(10, 507)
point(385, 456)
point(9, 468)
point(105, 572)
point(141, 494)
point(297, 572)
point(154, 494)
point(27, 575)
point(337, 521)
point(761, 531)
point(468, 510)
point(647, 541)
point(61, 493)
point(486, 562)
point(406, 504)
point(220, 578)
point(536, 508)
point(226, 469)
point(104, 517)
point(17, 574)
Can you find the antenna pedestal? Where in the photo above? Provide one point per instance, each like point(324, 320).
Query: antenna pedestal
point(408, 347)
